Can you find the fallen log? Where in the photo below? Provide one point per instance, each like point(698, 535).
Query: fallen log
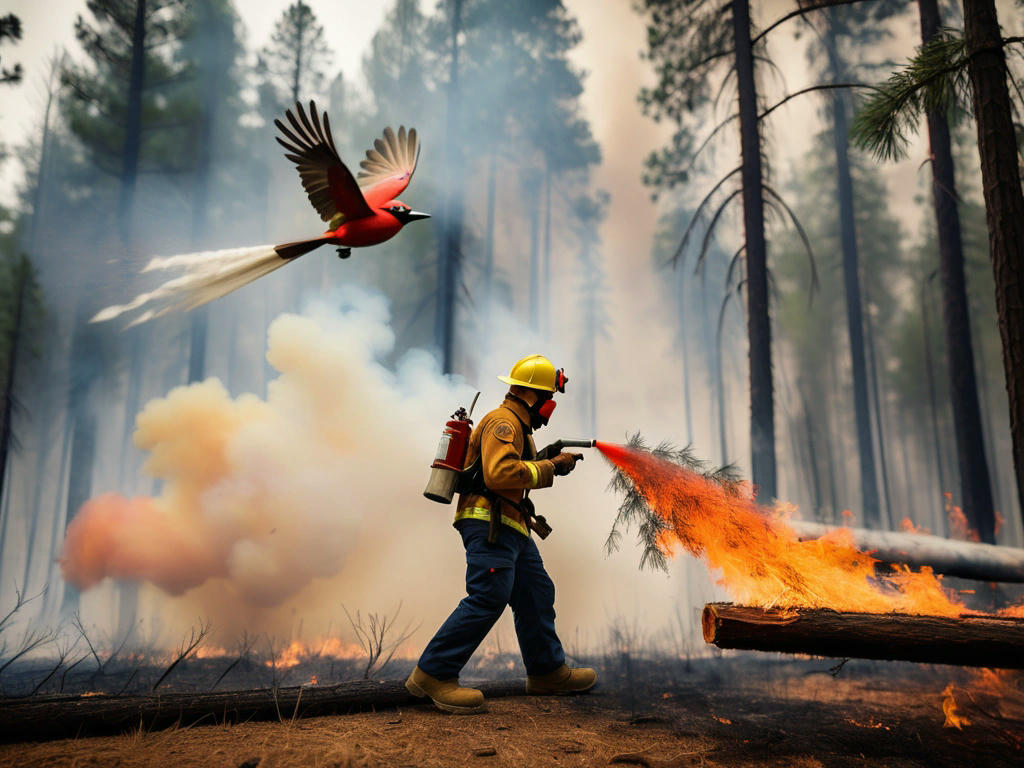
point(966, 640)
point(966, 559)
point(44, 718)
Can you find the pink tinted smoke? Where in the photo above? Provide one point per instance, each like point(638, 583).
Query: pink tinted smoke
point(135, 539)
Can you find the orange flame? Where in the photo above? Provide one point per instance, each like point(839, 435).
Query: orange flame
point(953, 720)
point(906, 524)
point(298, 651)
point(958, 526)
point(761, 559)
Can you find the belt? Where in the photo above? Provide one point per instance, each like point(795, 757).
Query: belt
point(481, 513)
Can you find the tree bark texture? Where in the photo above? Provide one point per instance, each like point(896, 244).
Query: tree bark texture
point(966, 559)
point(1004, 203)
point(44, 718)
point(967, 640)
point(759, 333)
point(975, 485)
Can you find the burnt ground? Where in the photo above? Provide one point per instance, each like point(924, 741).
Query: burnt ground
point(731, 710)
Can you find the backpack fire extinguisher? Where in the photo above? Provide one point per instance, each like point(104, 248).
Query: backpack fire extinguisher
point(450, 459)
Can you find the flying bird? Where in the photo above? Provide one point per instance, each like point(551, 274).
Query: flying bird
point(360, 211)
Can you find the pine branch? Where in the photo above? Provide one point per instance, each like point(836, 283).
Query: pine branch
point(805, 9)
point(810, 89)
point(930, 82)
point(635, 511)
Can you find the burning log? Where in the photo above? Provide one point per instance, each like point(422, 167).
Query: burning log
point(44, 718)
point(966, 559)
point(966, 640)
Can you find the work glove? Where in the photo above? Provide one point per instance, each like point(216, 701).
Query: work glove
point(566, 462)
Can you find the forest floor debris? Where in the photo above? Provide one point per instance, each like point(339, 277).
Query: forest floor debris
point(736, 710)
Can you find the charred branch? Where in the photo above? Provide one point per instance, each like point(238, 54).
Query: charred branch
point(965, 640)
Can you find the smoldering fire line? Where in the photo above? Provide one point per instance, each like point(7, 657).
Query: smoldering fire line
point(270, 494)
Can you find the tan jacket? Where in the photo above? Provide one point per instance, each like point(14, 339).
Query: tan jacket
point(501, 439)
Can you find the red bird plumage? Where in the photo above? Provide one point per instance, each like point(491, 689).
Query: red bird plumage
point(360, 211)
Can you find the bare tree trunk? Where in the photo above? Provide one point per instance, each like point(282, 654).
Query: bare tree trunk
point(450, 253)
point(877, 395)
point(762, 414)
point(929, 372)
point(492, 183)
point(854, 307)
point(22, 280)
point(1004, 203)
point(133, 126)
point(681, 317)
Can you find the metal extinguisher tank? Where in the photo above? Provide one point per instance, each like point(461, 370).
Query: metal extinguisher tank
point(450, 458)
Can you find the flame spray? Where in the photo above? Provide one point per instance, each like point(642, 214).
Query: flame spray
point(760, 557)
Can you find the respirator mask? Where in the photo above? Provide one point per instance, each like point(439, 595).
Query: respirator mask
point(541, 410)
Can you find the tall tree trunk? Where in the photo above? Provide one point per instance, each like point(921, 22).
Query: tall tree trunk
point(851, 282)
point(492, 183)
point(877, 397)
point(1004, 203)
point(681, 317)
point(812, 454)
point(449, 268)
point(22, 277)
point(133, 126)
point(759, 334)
point(82, 425)
point(929, 373)
point(209, 100)
point(975, 484)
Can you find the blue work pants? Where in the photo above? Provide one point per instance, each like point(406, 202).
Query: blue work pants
point(509, 572)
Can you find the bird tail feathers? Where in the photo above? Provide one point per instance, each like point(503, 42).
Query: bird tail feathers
point(201, 278)
point(298, 248)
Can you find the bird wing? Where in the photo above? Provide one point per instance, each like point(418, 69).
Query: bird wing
point(328, 182)
point(389, 166)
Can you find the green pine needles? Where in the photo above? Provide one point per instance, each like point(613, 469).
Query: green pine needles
point(635, 509)
point(934, 80)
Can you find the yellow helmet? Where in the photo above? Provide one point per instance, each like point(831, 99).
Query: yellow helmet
point(536, 372)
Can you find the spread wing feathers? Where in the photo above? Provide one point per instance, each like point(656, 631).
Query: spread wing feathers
point(393, 158)
point(328, 182)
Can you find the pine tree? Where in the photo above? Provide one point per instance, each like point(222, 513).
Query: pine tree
point(295, 61)
point(122, 105)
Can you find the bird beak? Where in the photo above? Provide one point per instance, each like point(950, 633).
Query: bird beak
point(414, 215)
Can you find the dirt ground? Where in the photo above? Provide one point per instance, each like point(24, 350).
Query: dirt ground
point(735, 711)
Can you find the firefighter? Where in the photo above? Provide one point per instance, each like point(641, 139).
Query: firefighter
point(503, 566)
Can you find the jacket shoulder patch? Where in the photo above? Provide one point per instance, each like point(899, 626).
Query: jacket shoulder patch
point(504, 432)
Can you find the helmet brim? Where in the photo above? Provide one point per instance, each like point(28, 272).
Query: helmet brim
point(517, 383)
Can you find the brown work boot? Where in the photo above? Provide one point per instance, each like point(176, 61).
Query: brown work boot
point(447, 695)
point(562, 680)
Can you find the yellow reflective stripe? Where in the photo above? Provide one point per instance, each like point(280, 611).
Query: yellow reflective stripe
point(479, 513)
point(534, 473)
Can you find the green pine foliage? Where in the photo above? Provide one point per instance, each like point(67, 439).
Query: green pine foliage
point(97, 89)
point(295, 62)
point(935, 79)
point(635, 511)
